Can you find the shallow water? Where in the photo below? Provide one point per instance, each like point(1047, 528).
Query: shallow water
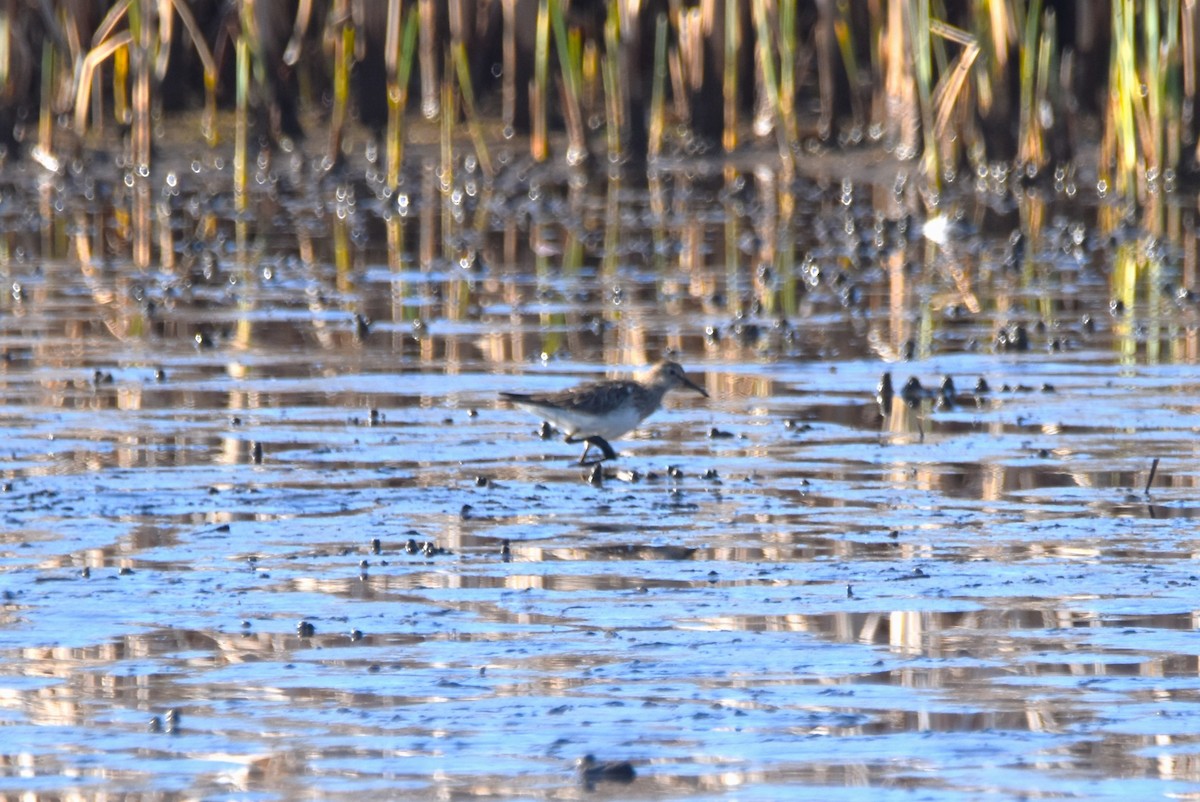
point(786, 590)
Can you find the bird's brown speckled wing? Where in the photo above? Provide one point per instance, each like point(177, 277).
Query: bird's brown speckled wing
point(590, 399)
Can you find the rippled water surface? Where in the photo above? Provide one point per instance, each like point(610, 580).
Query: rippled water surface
point(210, 472)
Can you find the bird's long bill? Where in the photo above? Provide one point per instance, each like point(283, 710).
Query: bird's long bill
point(689, 383)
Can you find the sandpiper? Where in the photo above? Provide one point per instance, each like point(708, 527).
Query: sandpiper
point(597, 412)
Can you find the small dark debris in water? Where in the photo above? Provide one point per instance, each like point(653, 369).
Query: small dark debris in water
point(1116, 307)
point(946, 393)
point(894, 534)
point(256, 452)
point(1048, 388)
point(1016, 250)
point(592, 771)
point(1150, 478)
point(747, 333)
point(411, 547)
point(545, 431)
point(429, 549)
point(362, 326)
point(913, 392)
point(482, 481)
point(956, 313)
point(596, 476)
point(376, 546)
point(125, 571)
point(883, 392)
point(1014, 338)
point(506, 550)
point(356, 635)
point(305, 629)
point(717, 434)
point(85, 572)
point(1044, 453)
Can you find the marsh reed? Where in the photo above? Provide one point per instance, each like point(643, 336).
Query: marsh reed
point(1106, 89)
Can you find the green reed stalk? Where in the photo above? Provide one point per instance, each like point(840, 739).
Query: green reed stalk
point(729, 139)
point(572, 82)
point(1046, 79)
point(787, 70)
point(6, 49)
point(1124, 88)
point(922, 55)
point(767, 58)
point(209, 64)
point(1188, 54)
point(46, 105)
point(474, 126)
point(449, 114)
point(143, 36)
point(1153, 136)
point(658, 92)
point(428, 57)
point(508, 71)
point(615, 103)
point(398, 79)
point(343, 58)
point(845, 40)
point(1172, 88)
point(539, 145)
point(946, 96)
point(241, 126)
point(1031, 146)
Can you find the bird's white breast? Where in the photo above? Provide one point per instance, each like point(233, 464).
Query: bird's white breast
point(577, 424)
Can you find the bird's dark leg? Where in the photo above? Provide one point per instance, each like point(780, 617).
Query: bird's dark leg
point(598, 442)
